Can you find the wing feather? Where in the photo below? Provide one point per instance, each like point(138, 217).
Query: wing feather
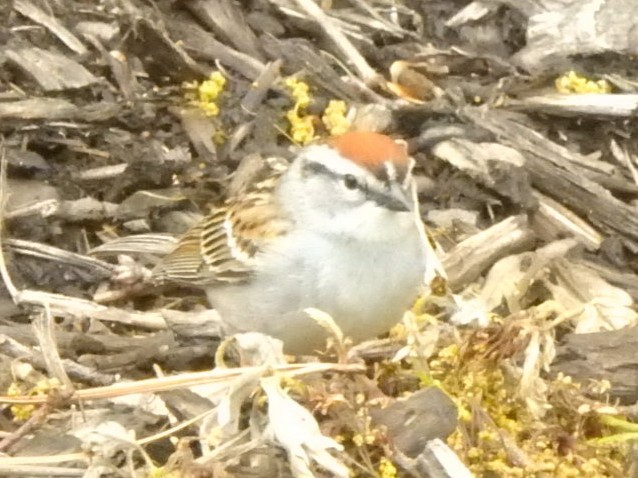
point(223, 247)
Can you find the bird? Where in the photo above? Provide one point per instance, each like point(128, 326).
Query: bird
point(336, 229)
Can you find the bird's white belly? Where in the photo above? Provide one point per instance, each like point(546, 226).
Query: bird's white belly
point(364, 286)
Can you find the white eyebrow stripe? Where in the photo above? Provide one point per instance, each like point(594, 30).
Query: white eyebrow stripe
point(331, 161)
point(391, 171)
point(408, 172)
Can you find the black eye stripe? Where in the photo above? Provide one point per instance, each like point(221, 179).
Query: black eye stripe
point(319, 169)
point(349, 180)
point(379, 193)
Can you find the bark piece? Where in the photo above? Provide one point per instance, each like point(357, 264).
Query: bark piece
point(26, 160)
point(557, 29)
point(553, 220)
point(470, 258)
point(299, 55)
point(413, 422)
point(227, 20)
point(602, 356)
point(31, 11)
point(202, 45)
point(162, 56)
point(200, 130)
point(564, 175)
point(439, 461)
point(25, 192)
point(52, 71)
point(500, 168)
point(597, 105)
point(56, 109)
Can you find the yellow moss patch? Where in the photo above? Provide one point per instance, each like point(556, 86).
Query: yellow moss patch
point(302, 129)
point(495, 425)
point(161, 472)
point(572, 82)
point(22, 413)
point(387, 469)
point(204, 95)
point(302, 124)
point(300, 92)
point(334, 117)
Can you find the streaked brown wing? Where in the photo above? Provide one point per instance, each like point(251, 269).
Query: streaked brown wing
point(222, 248)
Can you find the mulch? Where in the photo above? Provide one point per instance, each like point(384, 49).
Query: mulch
point(529, 189)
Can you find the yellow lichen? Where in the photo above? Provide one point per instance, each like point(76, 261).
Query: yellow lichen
point(387, 468)
point(302, 129)
point(162, 472)
point(219, 137)
point(477, 384)
point(302, 124)
point(204, 95)
point(22, 413)
point(334, 117)
point(572, 82)
point(300, 91)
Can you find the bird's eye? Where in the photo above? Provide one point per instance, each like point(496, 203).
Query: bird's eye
point(350, 181)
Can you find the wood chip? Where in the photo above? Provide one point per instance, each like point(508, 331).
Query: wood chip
point(29, 10)
point(553, 220)
point(561, 174)
point(162, 56)
point(417, 419)
point(202, 45)
point(300, 56)
point(557, 29)
point(602, 356)
point(56, 109)
point(52, 71)
point(226, 19)
point(579, 105)
point(38, 108)
point(471, 257)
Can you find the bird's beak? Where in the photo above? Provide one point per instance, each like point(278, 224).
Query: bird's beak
point(398, 199)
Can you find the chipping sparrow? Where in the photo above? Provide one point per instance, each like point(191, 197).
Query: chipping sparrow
point(337, 230)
